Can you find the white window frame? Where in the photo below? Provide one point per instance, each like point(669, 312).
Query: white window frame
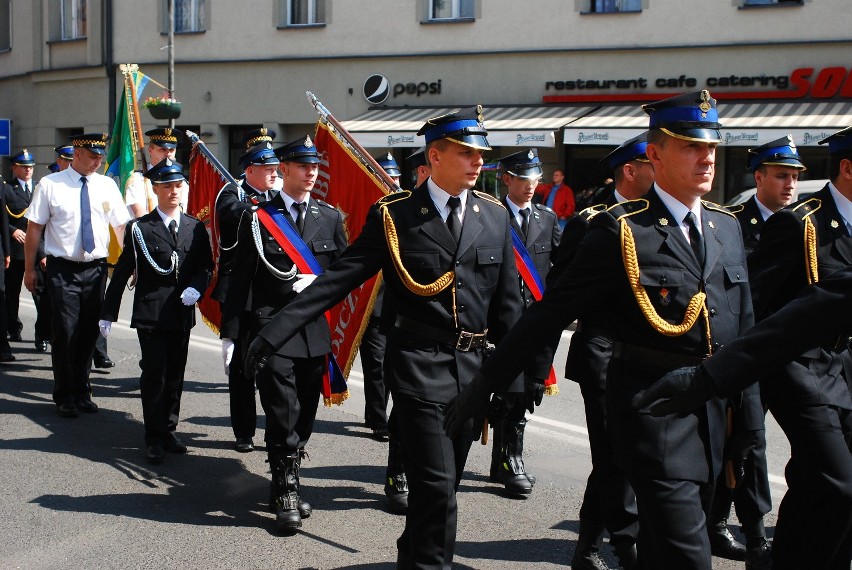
point(72, 25)
point(456, 6)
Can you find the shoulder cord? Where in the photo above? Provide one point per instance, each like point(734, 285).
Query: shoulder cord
point(696, 306)
point(241, 195)
point(258, 243)
point(137, 235)
point(393, 245)
point(16, 216)
point(811, 261)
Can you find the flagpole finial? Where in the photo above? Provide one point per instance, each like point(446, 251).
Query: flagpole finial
point(128, 68)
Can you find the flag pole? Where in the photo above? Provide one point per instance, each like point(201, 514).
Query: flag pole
point(211, 158)
point(356, 147)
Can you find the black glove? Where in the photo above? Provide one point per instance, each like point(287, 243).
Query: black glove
point(680, 390)
point(471, 402)
point(499, 407)
point(257, 354)
point(533, 394)
point(737, 450)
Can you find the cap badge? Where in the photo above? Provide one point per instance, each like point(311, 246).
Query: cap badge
point(169, 162)
point(308, 142)
point(753, 221)
point(263, 131)
point(663, 221)
point(835, 224)
point(531, 154)
point(705, 103)
point(168, 132)
point(390, 156)
point(479, 116)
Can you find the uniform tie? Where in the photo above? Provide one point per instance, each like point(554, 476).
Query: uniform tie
point(453, 222)
point(525, 221)
point(27, 189)
point(300, 217)
point(88, 237)
point(696, 240)
point(173, 230)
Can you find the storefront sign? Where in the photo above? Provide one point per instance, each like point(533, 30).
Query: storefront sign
point(377, 88)
point(803, 82)
point(730, 137)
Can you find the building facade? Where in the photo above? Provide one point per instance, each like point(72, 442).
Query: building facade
point(567, 76)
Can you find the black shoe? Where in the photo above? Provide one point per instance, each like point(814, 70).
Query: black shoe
point(759, 556)
point(588, 559)
point(87, 406)
point(244, 445)
point(396, 489)
point(41, 346)
point(67, 410)
point(15, 336)
point(155, 453)
point(380, 433)
point(7, 357)
point(723, 544)
point(173, 444)
point(105, 363)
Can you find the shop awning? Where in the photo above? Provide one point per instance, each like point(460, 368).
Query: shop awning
point(507, 125)
point(743, 124)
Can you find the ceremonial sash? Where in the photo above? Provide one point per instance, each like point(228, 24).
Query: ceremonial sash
point(532, 281)
point(334, 389)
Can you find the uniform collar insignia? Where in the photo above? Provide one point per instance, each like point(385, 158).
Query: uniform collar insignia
point(753, 221)
point(835, 224)
point(711, 224)
point(476, 208)
point(663, 222)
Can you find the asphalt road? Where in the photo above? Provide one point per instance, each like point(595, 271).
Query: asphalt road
point(77, 493)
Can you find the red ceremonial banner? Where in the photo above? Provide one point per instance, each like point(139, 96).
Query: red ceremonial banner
point(345, 183)
point(204, 185)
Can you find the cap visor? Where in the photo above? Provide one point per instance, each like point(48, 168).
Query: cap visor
point(696, 135)
point(478, 142)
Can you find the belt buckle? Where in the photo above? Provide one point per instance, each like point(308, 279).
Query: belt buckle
point(464, 342)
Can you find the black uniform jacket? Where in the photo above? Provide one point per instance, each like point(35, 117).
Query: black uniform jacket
point(483, 295)
point(254, 288)
point(680, 446)
point(818, 315)
point(229, 214)
point(778, 269)
point(15, 209)
point(751, 222)
point(156, 301)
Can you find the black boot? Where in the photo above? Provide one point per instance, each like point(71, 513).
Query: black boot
point(722, 542)
point(511, 472)
point(586, 554)
point(396, 484)
point(496, 451)
point(758, 549)
point(285, 491)
point(305, 509)
point(626, 554)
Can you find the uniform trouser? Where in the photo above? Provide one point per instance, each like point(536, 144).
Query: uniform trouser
point(376, 394)
point(4, 342)
point(672, 523)
point(434, 464)
point(243, 404)
point(77, 292)
point(609, 502)
point(751, 498)
point(100, 354)
point(161, 384)
point(14, 278)
point(290, 390)
point(814, 528)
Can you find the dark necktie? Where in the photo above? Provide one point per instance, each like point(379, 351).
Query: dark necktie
point(696, 240)
point(173, 230)
point(453, 222)
point(300, 217)
point(27, 189)
point(525, 221)
point(86, 218)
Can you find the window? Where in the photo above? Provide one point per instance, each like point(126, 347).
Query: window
point(612, 6)
point(769, 2)
point(451, 9)
point(72, 15)
point(303, 13)
point(189, 16)
point(5, 25)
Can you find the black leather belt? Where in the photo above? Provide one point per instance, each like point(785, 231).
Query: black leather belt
point(463, 341)
point(60, 261)
point(591, 329)
point(655, 358)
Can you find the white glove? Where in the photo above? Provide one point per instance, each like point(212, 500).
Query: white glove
point(189, 296)
point(302, 281)
point(105, 327)
point(227, 353)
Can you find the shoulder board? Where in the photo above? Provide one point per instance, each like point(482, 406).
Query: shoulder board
point(628, 208)
point(326, 204)
point(394, 197)
point(190, 216)
point(717, 208)
point(807, 207)
point(736, 209)
point(544, 208)
point(488, 197)
point(591, 211)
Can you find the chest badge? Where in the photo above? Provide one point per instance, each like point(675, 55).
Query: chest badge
point(753, 221)
point(663, 222)
point(106, 207)
point(835, 224)
point(424, 210)
point(476, 208)
point(711, 224)
point(665, 297)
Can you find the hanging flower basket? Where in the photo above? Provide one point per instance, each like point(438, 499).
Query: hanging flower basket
point(163, 107)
